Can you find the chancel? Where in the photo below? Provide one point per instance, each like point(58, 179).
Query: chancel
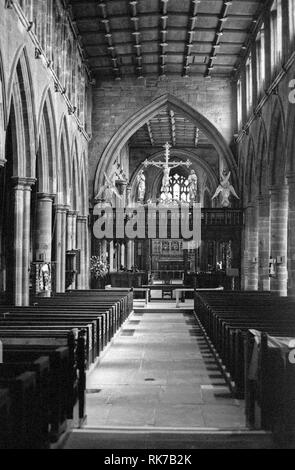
point(147, 221)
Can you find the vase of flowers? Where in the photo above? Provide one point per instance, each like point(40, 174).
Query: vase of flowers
point(99, 270)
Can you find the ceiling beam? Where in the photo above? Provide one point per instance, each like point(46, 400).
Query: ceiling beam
point(136, 35)
point(218, 33)
point(190, 36)
point(104, 19)
point(197, 136)
point(173, 126)
point(150, 132)
point(143, 15)
point(163, 37)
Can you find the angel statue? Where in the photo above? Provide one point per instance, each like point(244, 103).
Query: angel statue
point(141, 186)
point(225, 189)
point(108, 190)
point(193, 186)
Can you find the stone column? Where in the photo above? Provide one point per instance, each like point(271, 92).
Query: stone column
point(263, 242)
point(111, 256)
point(71, 230)
point(291, 235)
point(43, 235)
point(82, 246)
point(22, 217)
point(122, 254)
point(60, 246)
point(130, 254)
point(251, 248)
point(279, 237)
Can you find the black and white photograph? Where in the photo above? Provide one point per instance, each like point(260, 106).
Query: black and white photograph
point(147, 227)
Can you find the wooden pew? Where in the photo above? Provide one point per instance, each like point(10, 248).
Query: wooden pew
point(5, 418)
point(23, 409)
point(63, 392)
point(40, 419)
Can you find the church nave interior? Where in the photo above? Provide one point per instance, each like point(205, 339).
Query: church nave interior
point(147, 201)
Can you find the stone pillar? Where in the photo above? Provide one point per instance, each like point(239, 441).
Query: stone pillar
point(130, 254)
point(71, 230)
point(279, 237)
point(82, 246)
point(245, 251)
point(22, 217)
point(251, 248)
point(291, 235)
point(60, 246)
point(111, 256)
point(122, 254)
point(263, 242)
point(43, 235)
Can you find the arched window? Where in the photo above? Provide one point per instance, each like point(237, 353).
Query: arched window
point(178, 188)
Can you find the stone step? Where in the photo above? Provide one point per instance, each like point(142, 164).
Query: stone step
point(168, 438)
point(162, 310)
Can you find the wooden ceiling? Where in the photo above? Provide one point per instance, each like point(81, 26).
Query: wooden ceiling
point(123, 38)
point(171, 127)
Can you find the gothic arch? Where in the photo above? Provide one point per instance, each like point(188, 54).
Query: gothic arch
point(277, 148)
point(47, 144)
point(122, 136)
point(250, 172)
point(75, 186)
point(3, 110)
point(64, 173)
point(83, 187)
point(262, 159)
point(290, 140)
point(22, 98)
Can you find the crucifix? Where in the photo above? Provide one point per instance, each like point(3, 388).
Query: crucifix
point(167, 166)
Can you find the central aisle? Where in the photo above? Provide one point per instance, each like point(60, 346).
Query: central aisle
point(159, 372)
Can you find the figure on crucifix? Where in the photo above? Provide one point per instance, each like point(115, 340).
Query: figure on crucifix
point(167, 166)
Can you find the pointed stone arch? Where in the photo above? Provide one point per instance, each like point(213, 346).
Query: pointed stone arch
point(47, 137)
point(64, 172)
point(3, 109)
point(75, 179)
point(134, 123)
point(290, 140)
point(277, 148)
point(250, 172)
point(21, 97)
point(262, 159)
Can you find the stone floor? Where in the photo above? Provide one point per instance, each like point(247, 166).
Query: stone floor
point(160, 373)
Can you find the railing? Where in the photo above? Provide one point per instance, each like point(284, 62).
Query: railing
point(233, 217)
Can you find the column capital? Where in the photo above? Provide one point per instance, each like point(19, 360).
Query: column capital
point(72, 213)
point(46, 196)
point(278, 188)
point(2, 162)
point(23, 183)
point(291, 177)
point(263, 197)
point(61, 208)
point(82, 218)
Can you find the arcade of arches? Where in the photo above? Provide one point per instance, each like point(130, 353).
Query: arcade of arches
point(73, 134)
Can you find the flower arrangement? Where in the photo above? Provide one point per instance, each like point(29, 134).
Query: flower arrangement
point(98, 267)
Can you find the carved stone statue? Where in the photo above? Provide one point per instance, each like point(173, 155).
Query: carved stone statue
point(225, 189)
point(141, 186)
point(107, 191)
point(193, 186)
